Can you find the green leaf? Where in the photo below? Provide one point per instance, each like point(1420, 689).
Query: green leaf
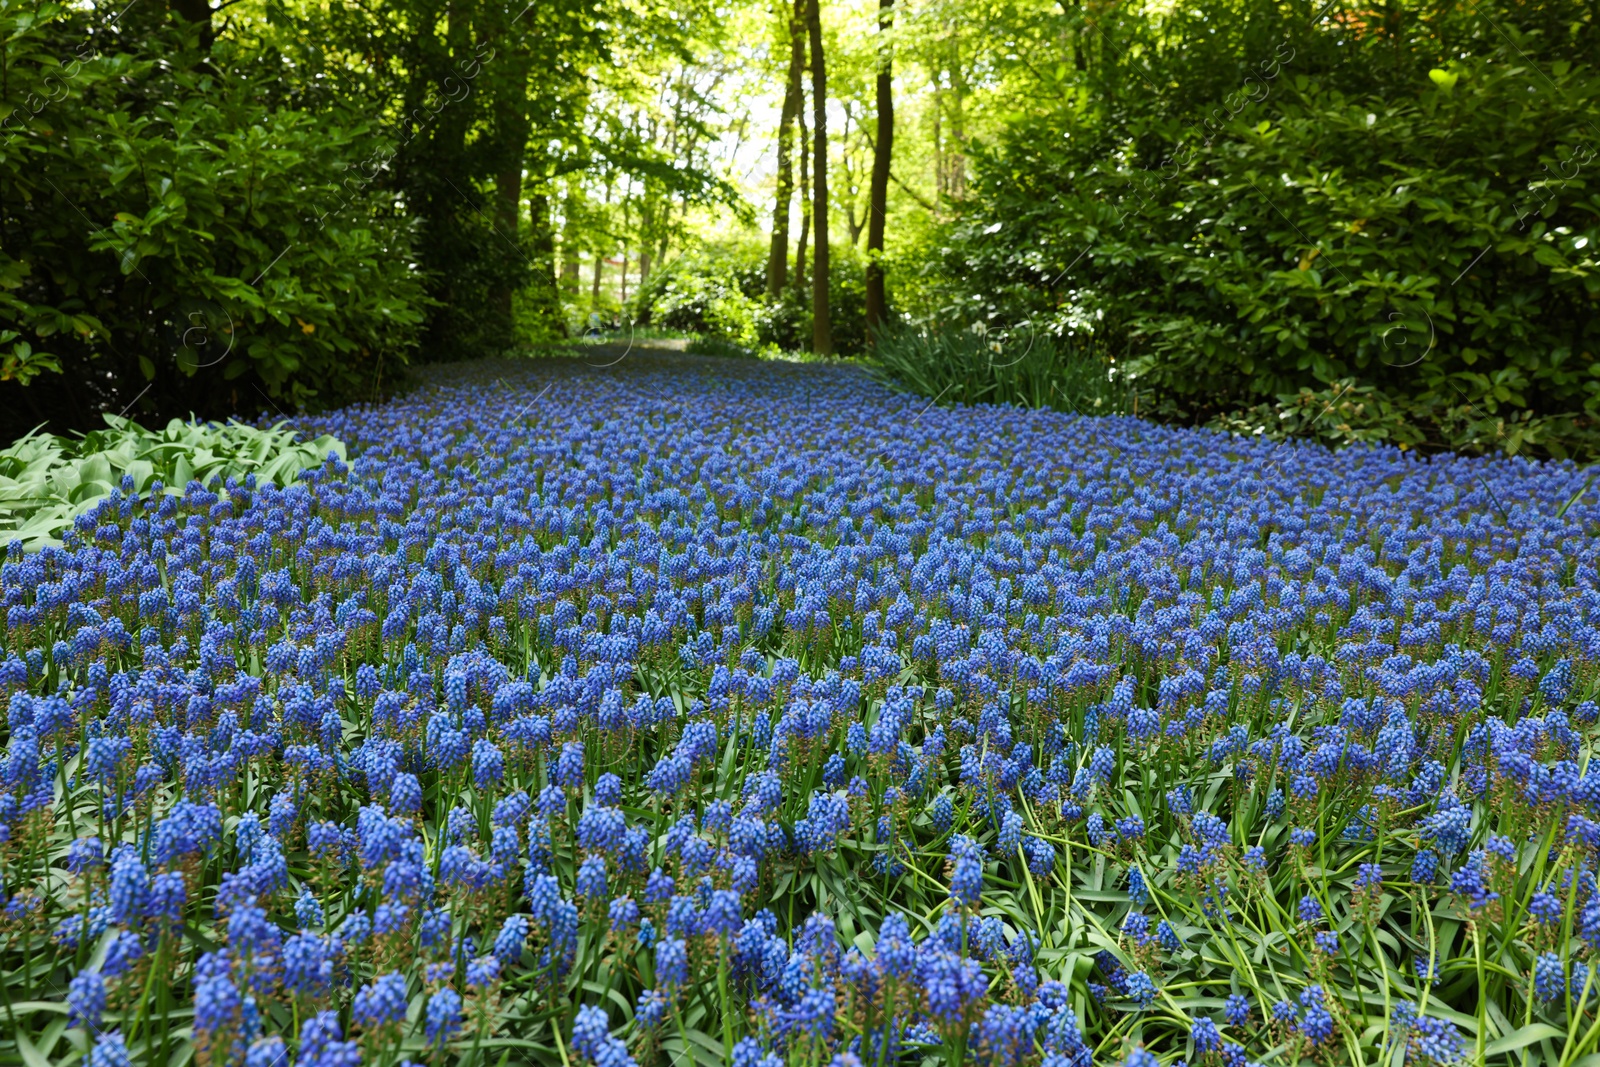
point(1522, 1038)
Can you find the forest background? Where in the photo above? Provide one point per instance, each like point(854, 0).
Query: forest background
point(1363, 222)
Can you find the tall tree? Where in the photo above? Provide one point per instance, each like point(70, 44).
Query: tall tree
point(793, 97)
point(512, 125)
point(821, 324)
point(882, 154)
point(805, 197)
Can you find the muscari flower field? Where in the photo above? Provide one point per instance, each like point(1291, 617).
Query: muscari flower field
point(714, 712)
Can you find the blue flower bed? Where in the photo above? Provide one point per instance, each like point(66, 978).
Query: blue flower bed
point(696, 711)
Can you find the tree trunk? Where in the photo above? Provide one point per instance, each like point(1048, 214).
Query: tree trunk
point(821, 324)
point(793, 96)
point(571, 208)
point(542, 245)
point(956, 159)
point(594, 293)
point(508, 212)
point(805, 199)
point(878, 195)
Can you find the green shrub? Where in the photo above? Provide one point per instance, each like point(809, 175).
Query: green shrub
point(46, 481)
point(723, 293)
point(180, 244)
point(1428, 232)
point(720, 346)
point(1020, 366)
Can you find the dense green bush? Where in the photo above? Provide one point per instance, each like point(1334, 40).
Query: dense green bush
point(723, 293)
point(173, 242)
point(1426, 229)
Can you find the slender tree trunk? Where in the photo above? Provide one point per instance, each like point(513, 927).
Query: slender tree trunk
point(793, 96)
point(821, 323)
point(543, 246)
point(805, 199)
point(594, 292)
point(508, 205)
point(878, 195)
point(958, 123)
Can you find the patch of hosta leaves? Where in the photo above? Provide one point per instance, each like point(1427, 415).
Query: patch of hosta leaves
point(46, 481)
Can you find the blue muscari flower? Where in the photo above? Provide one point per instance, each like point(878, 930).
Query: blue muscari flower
point(650, 1009)
point(405, 794)
point(624, 912)
point(268, 1051)
point(1369, 878)
point(1425, 867)
point(443, 1018)
point(123, 951)
point(217, 1002)
point(750, 1052)
point(1310, 909)
point(1436, 1040)
point(380, 1003)
point(1316, 1021)
point(1168, 936)
point(1237, 1010)
point(509, 942)
point(1010, 837)
point(1449, 828)
point(723, 914)
point(949, 983)
point(86, 999)
point(1040, 855)
point(568, 772)
point(591, 880)
point(1141, 988)
point(482, 972)
point(307, 911)
point(943, 813)
point(130, 887)
point(85, 854)
point(1549, 976)
point(308, 964)
point(1275, 805)
point(672, 963)
point(895, 952)
point(1545, 907)
point(966, 871)
point(1138, 889)
point(1204, 1034)
point(110, 1051)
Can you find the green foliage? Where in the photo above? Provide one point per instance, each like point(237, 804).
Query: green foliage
point(1314, 204)
point(723, 293)
point(47, 481)
point(981, 365)
point(708, 295)
point(1348, 412)
point(172, 236)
